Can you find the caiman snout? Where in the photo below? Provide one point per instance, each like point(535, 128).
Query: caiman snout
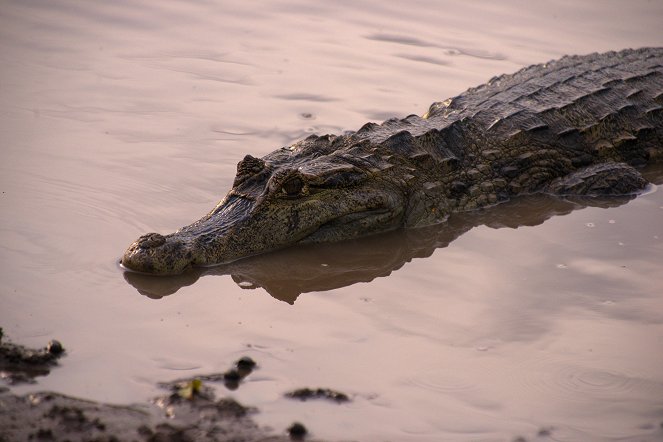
point(158, 254)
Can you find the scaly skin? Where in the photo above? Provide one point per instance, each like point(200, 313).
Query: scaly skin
point(575, 126)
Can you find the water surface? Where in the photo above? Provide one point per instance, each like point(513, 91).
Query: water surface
point(540, 319)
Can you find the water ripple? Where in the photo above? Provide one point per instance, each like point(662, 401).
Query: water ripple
point(573, 382)
point(449, 50)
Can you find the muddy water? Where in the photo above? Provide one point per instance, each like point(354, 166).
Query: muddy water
point(538, 319)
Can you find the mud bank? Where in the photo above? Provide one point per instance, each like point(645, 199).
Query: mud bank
point(52, 416)
point(189, 412)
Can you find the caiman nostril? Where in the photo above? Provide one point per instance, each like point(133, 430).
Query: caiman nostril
point(158, 254)
point(150, 241)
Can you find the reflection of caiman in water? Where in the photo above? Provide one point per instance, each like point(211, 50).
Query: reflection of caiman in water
point(287, 273)
point(575, 126)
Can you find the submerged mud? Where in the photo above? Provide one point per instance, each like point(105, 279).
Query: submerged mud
point(19, 364)
point(189, 412)
point(53, 416)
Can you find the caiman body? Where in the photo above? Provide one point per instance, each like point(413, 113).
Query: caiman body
point(576, 126)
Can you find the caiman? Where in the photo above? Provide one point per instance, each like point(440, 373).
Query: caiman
point(579, 126)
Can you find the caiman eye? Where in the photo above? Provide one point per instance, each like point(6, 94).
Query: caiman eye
point(292, 186)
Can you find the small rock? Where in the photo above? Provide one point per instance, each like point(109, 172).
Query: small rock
point(245, 363)
point(54, 347)
point(297, 431)
point(232, 375)
point(231, 379)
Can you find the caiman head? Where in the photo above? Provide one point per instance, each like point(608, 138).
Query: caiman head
point(310, 192)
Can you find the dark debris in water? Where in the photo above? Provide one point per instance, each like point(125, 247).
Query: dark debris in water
point(245, 363)
point(304, 394)
point(297, 431)
point(190, 387)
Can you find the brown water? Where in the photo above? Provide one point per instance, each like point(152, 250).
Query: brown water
point(119, 118)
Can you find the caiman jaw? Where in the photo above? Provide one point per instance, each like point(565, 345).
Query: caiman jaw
point(227, 233)
point(157, 254)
